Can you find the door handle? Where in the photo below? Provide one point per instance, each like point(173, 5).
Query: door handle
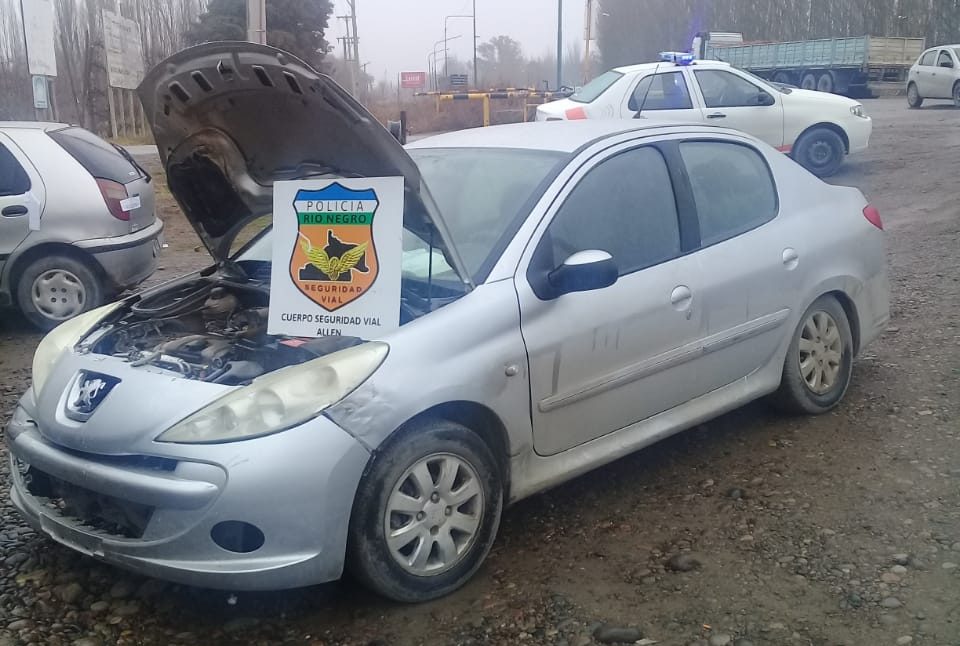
point(14, 211)
point(716, 115)
point(681, 298)
point(790, 258)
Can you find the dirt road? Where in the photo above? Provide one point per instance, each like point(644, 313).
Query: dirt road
point(841, 529)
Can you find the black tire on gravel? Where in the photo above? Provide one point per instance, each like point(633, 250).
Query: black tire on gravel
point(820, 151)
point(914, 100)
point(795, 395)
point(369, 557)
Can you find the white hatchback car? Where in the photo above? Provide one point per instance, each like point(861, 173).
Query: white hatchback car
point(935, 75)
point(816, 128)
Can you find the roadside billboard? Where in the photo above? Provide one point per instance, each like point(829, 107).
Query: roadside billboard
point(38, 31)
point(413, 80)
point(124, 51)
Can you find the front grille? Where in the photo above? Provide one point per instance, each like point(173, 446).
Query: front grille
point(87, 509)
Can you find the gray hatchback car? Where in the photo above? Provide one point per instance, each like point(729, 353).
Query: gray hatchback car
point(571, 292)
point(77, 222)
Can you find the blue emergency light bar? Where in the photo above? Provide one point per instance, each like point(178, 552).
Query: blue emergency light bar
point(679, 58)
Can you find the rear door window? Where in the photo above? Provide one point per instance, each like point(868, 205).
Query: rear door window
point(13, 178)
point(661, 92)
point(732, 187)
point(99, 158)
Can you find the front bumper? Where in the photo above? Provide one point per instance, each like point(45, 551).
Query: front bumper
point(859, 130)
point(296, 487)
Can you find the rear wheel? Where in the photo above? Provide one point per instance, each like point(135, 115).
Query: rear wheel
point(825, 83)
point(819, 363)
point(426, 512)
point(809, 81)
point(53, 289)
point(820, 151)
point(914, 100)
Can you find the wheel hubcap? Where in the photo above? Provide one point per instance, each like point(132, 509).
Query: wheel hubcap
point(58, 294)
point(820, 153)
point(821, 352)
point(433, 514)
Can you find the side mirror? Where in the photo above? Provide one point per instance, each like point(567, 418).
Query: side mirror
point(946, 64)
point(765, 99)
point(584, 271)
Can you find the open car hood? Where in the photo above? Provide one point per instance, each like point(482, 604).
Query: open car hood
point(230, 118)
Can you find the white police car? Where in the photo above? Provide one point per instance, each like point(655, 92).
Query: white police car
point(816, 128)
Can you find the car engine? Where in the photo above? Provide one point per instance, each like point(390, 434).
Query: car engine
point(208, 330)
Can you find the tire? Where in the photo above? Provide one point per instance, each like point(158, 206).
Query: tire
point(914, 100)
point(820, 151)
point(53, 289)
point(817, 340)
point(808, 81)
point(956, 94)
point(391, 483)
point(783, 77)
point(825, 82)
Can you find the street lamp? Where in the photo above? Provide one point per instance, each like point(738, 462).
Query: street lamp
point(445, 19)
point(436, 84)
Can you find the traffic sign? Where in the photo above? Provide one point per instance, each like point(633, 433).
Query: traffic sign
point(458, 80)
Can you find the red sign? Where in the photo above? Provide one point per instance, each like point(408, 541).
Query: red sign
point(413, 80)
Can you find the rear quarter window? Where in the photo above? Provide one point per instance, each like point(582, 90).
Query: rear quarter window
point(97, 156)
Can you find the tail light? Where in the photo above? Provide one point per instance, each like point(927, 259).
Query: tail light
point(873, 216)
point(113, 193)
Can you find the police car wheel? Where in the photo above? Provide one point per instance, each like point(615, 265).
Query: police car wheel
point(53, 289)
point(820, 151)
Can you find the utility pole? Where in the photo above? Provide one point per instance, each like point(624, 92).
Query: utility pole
point(257, 21)
point(476, 72)
point(351, 48)
point(559, 43)
point(587, 37)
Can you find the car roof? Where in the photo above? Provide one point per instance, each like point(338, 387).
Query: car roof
point(643, 67)
point(558, 136)
point(46, 126)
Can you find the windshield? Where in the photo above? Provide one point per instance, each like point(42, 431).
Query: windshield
point(596, 87)
point(482, 193)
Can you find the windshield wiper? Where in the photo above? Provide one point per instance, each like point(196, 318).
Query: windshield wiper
point(126, 155)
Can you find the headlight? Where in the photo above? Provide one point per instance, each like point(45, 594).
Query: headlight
point(62, 337)
point(857, 111)
point(281, 399)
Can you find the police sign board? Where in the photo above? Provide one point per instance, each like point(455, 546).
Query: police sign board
point(337, 251)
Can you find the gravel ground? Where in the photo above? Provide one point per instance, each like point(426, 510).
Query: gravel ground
point(752, 529)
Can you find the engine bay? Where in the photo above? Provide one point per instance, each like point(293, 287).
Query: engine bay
point(207, 329)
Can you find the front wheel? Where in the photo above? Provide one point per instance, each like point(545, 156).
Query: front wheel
point(820, 151)
point(956, 94)
point(819, 363)
point(426, 512)
point(914, 100)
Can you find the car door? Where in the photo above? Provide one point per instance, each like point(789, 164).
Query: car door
point(663, 95)
point(747, 257)
point(733, 100)
point(924, 75)
point(19, 203)
point(601, 360)
point(943, 75)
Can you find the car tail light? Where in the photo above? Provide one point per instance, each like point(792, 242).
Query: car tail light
point(873, 216)
point(113, 193)
point(576, 113)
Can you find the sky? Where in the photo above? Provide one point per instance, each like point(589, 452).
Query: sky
point(398, 35)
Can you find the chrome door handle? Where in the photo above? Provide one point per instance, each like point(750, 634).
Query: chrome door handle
point(717, 115)
point(681, 298)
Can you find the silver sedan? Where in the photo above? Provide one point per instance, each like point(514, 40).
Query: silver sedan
point(572, 292)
